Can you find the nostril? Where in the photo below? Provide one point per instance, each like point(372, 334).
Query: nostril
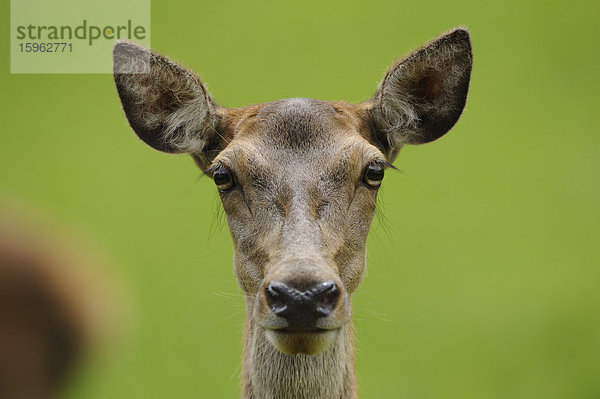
point(327, 298)
point(276, 297)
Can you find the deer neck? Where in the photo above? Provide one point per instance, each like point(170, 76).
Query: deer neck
point(269, 374)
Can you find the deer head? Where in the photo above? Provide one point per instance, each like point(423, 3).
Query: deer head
point(298, 179)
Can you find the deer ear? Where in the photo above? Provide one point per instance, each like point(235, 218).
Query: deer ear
point(422, 96)
point(167, 106)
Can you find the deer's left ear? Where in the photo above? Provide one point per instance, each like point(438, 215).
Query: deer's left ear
point(422, 96)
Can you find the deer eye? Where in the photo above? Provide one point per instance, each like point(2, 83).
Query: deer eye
point(373, 175)
point(223, 179)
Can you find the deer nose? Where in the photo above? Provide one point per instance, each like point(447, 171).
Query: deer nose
point(302, 308)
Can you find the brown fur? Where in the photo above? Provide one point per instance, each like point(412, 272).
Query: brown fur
point(46, 314)
point(300, 209)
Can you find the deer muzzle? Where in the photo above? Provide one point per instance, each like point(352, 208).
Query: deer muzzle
point(302, 308)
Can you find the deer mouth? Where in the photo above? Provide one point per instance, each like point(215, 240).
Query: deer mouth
point(295, 341)
point(300, 339)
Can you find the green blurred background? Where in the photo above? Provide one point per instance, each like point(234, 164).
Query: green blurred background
point(484, 275)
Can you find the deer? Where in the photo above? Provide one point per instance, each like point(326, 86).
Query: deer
point(298, 180)
point(50, 313)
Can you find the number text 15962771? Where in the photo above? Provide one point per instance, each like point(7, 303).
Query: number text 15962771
point(47, 47)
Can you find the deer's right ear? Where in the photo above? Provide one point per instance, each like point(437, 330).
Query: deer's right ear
point(167, 106)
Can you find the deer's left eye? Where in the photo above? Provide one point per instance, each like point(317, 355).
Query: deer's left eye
point(224, 180)
point(373, 175)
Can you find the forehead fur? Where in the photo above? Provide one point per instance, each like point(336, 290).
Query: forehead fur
point(295, 123)
point(303, 131)
point(298, 124)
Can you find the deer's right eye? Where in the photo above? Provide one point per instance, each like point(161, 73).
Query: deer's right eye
point(224, 180)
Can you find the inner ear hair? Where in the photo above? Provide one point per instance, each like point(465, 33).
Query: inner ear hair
point(422, 96)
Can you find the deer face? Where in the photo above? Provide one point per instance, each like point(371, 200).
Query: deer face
point(298, 183)
point(298, 178)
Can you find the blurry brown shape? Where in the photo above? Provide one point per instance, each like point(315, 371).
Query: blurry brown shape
point(46, 311)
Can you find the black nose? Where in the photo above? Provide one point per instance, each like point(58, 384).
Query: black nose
point(302, 308)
